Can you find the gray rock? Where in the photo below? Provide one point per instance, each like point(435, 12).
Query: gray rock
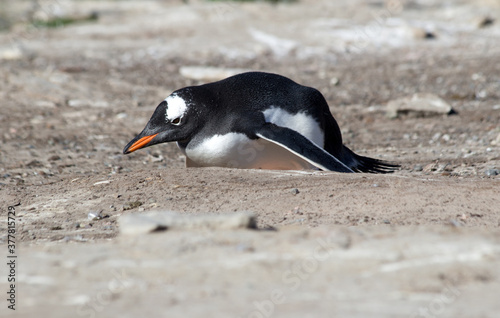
point(496, 141)
point(484, 22)
point(94, 215)
point(45, 104)
point(11, 53)
point(207, 73)
point(492, 172)
point(77, 103)
point(280, 47)
point(334, 81)
point(54, 158)
point(86, 103)
point(430, 167)
point(420, 102)
point(134, 224)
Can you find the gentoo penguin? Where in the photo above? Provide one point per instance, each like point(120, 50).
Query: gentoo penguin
point(253, 120)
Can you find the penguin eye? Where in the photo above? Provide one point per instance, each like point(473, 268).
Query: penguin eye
point(176, 121)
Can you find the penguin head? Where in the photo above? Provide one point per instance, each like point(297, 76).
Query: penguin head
point(173, 120)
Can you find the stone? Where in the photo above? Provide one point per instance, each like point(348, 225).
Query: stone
point(77, 103)
point(11, 54)
point(94, 215)
point(102, 182)
point(54, 158)
point(87, 103)
point(420, 103)
point(484, 22)
point(430, 167)
point(45, 104)
point(34, 164)
point(496, 141)
point(334, 81)
point(420, 33)
point(492, 172)
point(132, 205)
point(207, 73)
point(280, 47)
point(134, 224)
point(99, 104)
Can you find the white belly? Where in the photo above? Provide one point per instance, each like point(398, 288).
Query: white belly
point(236, 150)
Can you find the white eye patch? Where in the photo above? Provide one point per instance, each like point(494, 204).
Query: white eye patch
point(176, 107)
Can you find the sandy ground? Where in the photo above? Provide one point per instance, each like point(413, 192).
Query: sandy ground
point(422, 242)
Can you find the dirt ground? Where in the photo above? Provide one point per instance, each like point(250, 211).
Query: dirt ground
point(421, 242)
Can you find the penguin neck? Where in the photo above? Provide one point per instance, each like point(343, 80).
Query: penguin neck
point(182, 144)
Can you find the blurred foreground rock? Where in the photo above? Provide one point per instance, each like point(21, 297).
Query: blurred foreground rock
point(207, 73)
point(354, 272)
point(419, 103)
point(133, 224)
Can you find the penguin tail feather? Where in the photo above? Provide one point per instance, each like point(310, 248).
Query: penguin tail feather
point(366, 164)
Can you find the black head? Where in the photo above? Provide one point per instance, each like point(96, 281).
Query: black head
point(173, 120)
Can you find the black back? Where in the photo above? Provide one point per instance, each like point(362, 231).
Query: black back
point(236, 103)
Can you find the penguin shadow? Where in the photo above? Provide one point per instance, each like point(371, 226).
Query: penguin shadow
point(248, 153)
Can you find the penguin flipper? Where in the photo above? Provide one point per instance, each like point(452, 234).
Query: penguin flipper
point(301, 146)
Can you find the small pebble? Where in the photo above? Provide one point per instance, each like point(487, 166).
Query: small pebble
point(295, 191)
point(132, 205)
point(11, 54)
point(492, 172)
point(77, 103)
point(334, 81)
point(44, 103)
point(245, 248)
point(102, 182)
point(54, 158)
point(94, 215)
point(418, 167)
point(73, 238)
point(485, 22)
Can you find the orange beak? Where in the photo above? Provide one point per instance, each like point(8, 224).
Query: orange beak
point(140, 143)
